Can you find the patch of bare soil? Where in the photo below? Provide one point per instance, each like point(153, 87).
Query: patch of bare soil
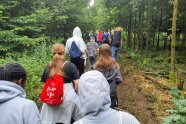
point(146, 97)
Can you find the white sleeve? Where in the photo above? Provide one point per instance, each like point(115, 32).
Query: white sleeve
point(67, 47)
point(82, 46)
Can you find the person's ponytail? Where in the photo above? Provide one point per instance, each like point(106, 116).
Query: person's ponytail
point(56, 66)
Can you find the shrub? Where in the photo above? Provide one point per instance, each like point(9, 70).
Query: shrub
point(177, 114)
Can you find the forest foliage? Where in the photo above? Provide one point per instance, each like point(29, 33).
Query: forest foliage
point(28, 28)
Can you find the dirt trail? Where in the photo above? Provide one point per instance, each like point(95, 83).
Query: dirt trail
point(145, 99)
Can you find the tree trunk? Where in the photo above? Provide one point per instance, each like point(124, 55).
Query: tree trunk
point(148, 29)
point(165, 43)
point(129, 27)
point(139, 25)
point(159, 26)
point(135, 31)
point(142, 35)
point(173, 41)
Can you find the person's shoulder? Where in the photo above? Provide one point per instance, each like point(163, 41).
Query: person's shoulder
point(68, 64)
point(95, 43)
point(26, 102)
point(77, 122)
point(129, 119)
point(88, 43)
point(68, 39)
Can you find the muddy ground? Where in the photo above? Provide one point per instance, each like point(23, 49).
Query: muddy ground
point(145, 96)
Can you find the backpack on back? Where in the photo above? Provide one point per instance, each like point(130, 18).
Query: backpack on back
point(116, 39)
point(53, 91)
point(105, 37)
point(74, 51)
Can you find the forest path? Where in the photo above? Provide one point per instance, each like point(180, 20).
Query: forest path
point(147, 100)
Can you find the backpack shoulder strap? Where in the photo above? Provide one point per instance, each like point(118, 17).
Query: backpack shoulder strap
point(120, 117)
point(65, 63)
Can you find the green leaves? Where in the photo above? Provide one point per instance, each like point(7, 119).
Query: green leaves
point(175, 93)
point(178, 114)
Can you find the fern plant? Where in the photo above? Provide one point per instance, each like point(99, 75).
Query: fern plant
point(177, 114)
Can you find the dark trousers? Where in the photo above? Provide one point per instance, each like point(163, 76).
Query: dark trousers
point(114, 101)
point(79, 62)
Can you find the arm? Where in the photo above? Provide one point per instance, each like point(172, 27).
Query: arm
point(76, 85)
point(98, 50)
point(67, 47)
point(86, 50)
point(118, 76)
point(45, 74)
point(82, 46)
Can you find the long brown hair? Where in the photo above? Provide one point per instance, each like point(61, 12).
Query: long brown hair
point(105, 61)
point(56, 64)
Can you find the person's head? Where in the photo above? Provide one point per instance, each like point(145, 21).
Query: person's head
point(92, 39)
point(58, 49)
point(15, 73)
point(112, 32)
point(94, 92)
point(4, 75)
point(56, 64)
point(120, 29)
point(91, 32)
point(105, 61)
point(77, 32)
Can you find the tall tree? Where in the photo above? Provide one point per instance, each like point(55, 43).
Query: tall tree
point(173, 41)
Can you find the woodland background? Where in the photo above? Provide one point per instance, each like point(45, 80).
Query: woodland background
point(28, 28)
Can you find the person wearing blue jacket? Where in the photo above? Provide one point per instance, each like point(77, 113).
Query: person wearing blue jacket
point(14, 107)
point(94, 94)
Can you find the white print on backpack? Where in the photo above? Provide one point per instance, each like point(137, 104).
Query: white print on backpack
point(50, 90)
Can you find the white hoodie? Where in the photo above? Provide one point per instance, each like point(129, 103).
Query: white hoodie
point(94, 94)
point(14, 107)
point(77, 37)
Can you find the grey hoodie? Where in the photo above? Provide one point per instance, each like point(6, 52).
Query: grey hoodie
point(14, 107)
point(94, 94)
point(114, 78)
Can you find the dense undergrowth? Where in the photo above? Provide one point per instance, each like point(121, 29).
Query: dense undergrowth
point(158, 63)
point(34, 63)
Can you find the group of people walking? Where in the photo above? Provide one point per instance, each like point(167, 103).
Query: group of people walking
point(90, 97)
point(113, 38)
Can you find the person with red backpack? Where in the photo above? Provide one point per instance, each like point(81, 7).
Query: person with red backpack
point(69, 107)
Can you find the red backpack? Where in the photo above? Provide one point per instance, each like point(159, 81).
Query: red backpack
point(53, 91)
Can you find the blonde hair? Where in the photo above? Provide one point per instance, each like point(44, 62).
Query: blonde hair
point(56, 64)
point(105, 61)
point(120, 29)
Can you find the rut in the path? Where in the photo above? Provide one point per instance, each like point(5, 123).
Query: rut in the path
point(142, 97)
point(131, 100)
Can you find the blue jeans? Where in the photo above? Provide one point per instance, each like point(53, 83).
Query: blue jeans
point(115, 51)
